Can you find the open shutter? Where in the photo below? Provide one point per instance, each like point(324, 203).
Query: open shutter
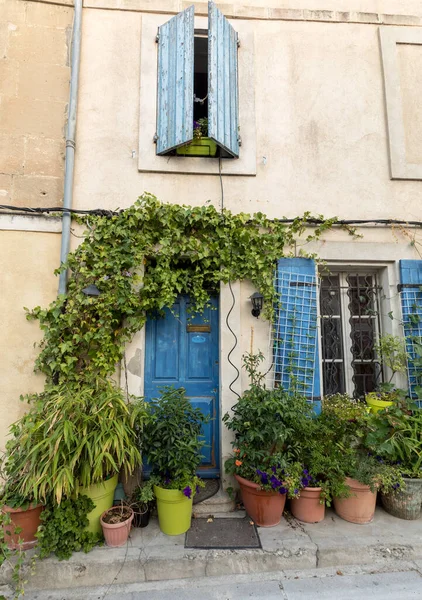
point(223, 95)
point(175, 82)
point(411, 301)
point(295, 337)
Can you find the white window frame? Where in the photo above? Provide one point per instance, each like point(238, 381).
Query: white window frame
point(389, 303)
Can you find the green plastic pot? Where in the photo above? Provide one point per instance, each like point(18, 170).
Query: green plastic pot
point(204, 146)
point(174, 511)
point(102, 494)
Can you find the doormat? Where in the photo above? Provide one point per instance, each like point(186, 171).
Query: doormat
point(219, 534)
point(211, 488)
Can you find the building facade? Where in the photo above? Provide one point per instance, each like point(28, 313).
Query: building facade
point(315, 107)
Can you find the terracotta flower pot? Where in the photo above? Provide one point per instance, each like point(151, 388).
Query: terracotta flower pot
point(360, 506)
point(308, 507)
point(405, 504)
point(264, 508)
point(26, 519)
point(116, 534)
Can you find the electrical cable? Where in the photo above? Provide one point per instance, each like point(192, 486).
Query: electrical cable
point(233, 298)
point(102, 212)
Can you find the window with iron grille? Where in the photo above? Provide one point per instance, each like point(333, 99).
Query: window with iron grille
point(350, 327)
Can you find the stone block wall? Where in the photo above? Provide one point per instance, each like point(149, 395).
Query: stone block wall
point(34, 90)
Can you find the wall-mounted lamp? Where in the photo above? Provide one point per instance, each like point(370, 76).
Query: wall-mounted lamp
point(257, 300)
point(91, 290)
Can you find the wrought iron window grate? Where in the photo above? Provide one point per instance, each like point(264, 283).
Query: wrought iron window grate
point(294, 337)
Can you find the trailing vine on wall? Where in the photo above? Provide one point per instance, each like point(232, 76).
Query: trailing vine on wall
point(141, 259)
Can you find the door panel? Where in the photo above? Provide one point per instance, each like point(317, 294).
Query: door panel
point(182, 350)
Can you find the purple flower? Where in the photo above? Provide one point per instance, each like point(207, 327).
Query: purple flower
point(396, 486)
point(263, 475)
point(295, 491)
point(196, 125)
point(187, 491)
point(274, 470)
point(305, 472)
point(197, 489)
point(282, 490)
point(275, 483)
point(167, 480)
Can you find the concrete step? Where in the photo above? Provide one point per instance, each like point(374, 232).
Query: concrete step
point(151, 556)
point(217, 504)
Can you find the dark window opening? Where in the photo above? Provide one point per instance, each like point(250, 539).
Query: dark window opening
point(200, 78)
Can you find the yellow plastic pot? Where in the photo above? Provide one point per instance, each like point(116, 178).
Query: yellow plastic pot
point(377, 405)
point(174, 511)
point(102, 494)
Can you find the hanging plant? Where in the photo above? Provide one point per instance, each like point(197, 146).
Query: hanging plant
point(141, 259)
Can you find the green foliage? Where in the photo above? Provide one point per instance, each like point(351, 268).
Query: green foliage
point(269, 427)
point(144, 493)
point(395, 434)
point(62, 531)
point(73, 434)
point(15, 558)
point(172, 439)
point(141, 260)
point(392, 351)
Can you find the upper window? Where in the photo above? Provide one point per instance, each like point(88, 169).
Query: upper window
point(197, 80)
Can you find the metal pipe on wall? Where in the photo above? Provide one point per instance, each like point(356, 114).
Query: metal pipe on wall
point(70, 141)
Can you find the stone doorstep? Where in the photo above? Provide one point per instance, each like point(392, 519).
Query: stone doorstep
point(217, 504)
point(152, 556)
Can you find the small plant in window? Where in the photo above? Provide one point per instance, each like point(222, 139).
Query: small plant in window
point(200, 128)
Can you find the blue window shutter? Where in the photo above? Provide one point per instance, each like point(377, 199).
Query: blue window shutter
point(411, 302)
point(175, 82)
point(295, 339)
point(223, 95)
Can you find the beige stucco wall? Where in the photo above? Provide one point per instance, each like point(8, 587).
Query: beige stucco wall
point(34, 90)
point(28, 260)
point(321, 132)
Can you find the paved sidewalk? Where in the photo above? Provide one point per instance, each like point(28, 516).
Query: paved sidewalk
point(152, 556)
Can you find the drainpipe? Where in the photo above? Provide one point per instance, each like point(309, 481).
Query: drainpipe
point(70, 141)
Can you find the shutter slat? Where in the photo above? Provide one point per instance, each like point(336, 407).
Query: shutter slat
point(295, 338)
point(222, 82)
point(175, 82)
point(411, 301)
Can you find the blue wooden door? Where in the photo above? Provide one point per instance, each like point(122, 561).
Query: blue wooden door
point(182, 351)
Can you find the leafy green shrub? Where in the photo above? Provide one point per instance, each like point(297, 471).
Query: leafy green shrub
point(73, 434)
point(172, 440)
point(63, 528)
point(270, 427)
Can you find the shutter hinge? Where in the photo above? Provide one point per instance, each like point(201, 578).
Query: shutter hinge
point(155, 138)
point(238, 42)
point(239, 139)
point(157, 38)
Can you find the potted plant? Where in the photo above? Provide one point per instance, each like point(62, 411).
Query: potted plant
point(312, 482)
point(265, 425)
point(201, 145)
point(116, 523)
point(172, 443)
point(396, 436)
point(392, 352)
point(90, 430)
point(353, 473)
point(20, 512)
point(142, 499)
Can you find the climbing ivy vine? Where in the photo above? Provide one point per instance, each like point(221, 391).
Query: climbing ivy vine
point(141, 259)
